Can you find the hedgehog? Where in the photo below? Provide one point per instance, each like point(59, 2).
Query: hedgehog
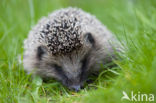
point(68, 45)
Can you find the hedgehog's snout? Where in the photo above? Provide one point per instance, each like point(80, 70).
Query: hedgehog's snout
point(73, 84)
point(76, 88)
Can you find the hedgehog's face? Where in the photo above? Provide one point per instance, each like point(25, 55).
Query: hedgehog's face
point(71, 69)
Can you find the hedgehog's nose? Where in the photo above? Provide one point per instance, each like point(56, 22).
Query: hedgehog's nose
point(76, 88)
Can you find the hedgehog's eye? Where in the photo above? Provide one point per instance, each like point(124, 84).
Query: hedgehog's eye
point(59, 70)
point(84, 67)
point(40, 51)
point(57, 67)
point(89, 38)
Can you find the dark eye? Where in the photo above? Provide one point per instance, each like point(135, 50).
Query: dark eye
point(57, 67)
point(84, 67)
point(59, 71)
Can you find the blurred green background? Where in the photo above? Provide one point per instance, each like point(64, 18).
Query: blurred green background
point(132, 21)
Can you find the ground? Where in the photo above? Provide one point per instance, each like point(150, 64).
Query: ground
point(132, 21)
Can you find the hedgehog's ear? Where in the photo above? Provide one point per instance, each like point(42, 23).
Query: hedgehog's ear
point(89, 38)
point(41, 50)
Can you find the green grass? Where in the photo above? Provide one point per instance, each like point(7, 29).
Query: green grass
point(132, 21)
